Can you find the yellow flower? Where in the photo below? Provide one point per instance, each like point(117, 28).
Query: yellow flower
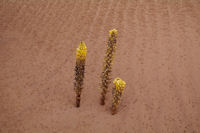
point(120, 84)
point(81, 51)
point(113, 31)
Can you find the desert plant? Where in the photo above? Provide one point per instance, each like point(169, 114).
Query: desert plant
point(107, 66)
point(117, 91)
point(81, 52)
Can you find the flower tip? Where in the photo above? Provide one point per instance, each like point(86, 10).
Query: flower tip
point(82, 45)
point(119, 82)
point(81, 51)
point(113, 31)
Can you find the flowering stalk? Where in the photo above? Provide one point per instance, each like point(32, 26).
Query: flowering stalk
point(107, 66)
point(117, 93)
point(81, 52)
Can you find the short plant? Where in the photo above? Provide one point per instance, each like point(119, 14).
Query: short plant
point(107, 66)
point(81, 52)
point(117, 93)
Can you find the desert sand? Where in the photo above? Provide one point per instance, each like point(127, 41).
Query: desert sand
point(158, 55)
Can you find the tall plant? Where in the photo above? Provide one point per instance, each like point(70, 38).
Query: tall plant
point(107, 65)
point(81, 52)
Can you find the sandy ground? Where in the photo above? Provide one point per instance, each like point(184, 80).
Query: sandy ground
point(158, 55)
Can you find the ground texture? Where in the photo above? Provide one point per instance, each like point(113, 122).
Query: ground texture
point(158, 55)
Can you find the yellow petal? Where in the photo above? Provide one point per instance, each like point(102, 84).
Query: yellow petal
point(113, 31)
point(81, 51)
point(119, 83)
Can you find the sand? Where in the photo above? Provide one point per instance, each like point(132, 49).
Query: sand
point(158, 55)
